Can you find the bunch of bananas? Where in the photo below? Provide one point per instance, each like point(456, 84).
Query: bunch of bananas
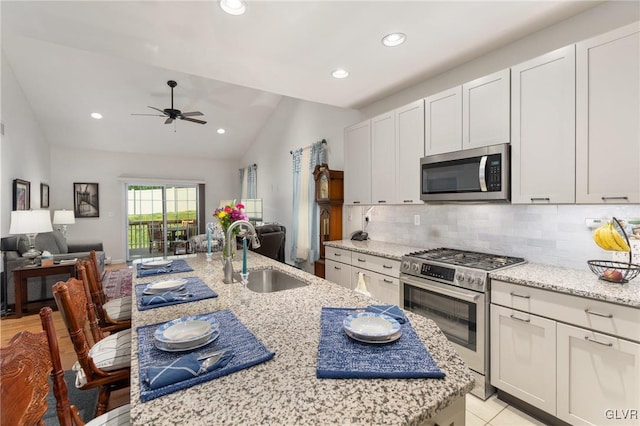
point(608, 238)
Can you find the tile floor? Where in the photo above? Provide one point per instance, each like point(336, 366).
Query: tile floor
point(494, 412)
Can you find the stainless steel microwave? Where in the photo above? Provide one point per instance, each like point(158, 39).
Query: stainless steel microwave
point(479, 174)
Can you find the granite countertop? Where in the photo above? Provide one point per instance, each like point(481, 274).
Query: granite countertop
point(571, 281)
point(285, 390)
point(375, 248)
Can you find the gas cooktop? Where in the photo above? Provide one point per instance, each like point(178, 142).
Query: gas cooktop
point(469, 259)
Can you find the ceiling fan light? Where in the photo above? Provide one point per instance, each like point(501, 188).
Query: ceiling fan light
point(394, 39)
point(220, 131)
point(233, 7)
point(96, 115)
point(340, 73)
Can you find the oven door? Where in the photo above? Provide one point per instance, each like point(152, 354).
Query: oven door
point(458, 312)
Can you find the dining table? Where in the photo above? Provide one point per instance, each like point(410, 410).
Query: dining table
point(286, 389)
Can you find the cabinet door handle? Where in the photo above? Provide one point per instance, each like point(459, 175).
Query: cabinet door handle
point(387, 281)
point(407, 201)
point(590, 312)
point(519, 319)
point(382, 201)
point(614, 198)
point(540, 199)
point(337, 254)
point(339, 269)
point(520, 295)
point(361, 260)
point(387, 267)
point(598, 342)
point(356, 202)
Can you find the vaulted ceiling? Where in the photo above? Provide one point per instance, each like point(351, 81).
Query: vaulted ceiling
point(72, 58)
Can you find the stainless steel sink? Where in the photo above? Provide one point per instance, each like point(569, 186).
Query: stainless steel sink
point(270, 280)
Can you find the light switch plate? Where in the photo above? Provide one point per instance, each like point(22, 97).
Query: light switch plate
point(594, 223)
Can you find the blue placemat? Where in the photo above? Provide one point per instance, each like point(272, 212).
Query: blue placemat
point(194, 286)
point(248, 351)
point(340, 357)
point(177, 266)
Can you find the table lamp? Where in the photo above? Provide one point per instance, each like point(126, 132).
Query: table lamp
point(30, 223)
point(64, 218)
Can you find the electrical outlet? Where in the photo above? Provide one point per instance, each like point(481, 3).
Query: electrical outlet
point(416, 219)
point(594, 223)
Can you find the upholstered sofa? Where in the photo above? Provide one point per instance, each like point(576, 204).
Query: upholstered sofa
point(56, 244)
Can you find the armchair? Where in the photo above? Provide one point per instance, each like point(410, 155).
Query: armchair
point(55, 243)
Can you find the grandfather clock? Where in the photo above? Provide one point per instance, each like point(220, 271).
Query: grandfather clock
point(329, 196)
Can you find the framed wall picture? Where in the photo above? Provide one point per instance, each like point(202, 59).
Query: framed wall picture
point(21, 194)
point(85, 200)
point(44, 196)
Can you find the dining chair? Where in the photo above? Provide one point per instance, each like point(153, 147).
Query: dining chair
point(27, 361)
point(105, 364)
point(112, 315)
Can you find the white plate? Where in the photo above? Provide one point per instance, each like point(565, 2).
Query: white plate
point(168, 347)
point(376, 341)
point(186, 329)
point(156, 264)
point(371, 325)
point(159, 287)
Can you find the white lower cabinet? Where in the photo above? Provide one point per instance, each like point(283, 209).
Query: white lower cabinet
point(598, 378)
point(338, 273)
point(382, 287)
point(543, 353)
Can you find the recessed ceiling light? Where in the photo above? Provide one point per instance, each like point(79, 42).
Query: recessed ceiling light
point(220, 131)
point(96, 115)
point(233, 7)
point(340, 73)
point(394, 39)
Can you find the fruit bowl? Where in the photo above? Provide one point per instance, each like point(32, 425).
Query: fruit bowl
point(615, 272)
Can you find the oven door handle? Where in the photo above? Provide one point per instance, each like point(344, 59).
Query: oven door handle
point(467, 297)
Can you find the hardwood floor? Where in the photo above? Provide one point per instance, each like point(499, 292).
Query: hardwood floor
point(10, 326)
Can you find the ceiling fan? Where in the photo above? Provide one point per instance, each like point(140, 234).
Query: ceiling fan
point(172, 113)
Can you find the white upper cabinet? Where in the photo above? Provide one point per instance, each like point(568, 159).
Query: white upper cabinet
point(357, 160)
point(409, 150)
point(543, 129)
point(485, 110)
point(383, 159)
point(607, 123)
point(443, 122)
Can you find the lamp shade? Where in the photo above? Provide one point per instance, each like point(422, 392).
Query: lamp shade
point(63, 217)
point(30, 222)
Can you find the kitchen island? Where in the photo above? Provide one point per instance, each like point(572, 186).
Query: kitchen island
point(285, 390)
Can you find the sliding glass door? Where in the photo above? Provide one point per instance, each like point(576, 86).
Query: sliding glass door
point(160, 220)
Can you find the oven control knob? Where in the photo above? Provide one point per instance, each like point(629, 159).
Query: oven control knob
point(479, 281)
point(406, 265)
point(415, 267)
point(460, 278)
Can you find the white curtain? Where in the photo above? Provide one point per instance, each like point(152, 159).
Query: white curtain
point(302, 245)
point(249, 182)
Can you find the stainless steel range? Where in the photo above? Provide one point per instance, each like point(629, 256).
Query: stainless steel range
point(451, 287)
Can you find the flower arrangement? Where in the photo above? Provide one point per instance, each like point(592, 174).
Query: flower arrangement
point(228, 214)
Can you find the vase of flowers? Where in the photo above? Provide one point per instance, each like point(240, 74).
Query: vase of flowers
point(226, 216)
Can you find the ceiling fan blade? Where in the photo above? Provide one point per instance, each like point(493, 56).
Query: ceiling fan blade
point(192, 120)
point(192, 113)
point(154, 115)
point(168, 120)
point(158, 109)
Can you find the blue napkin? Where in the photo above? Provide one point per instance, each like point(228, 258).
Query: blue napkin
point(152, 271)
point(183, 368)
point(392, 310)
point(166, 297)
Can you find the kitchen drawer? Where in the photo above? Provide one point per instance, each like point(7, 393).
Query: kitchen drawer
point(378, 264)
point(617, 320)
point(382, 287)
point(338, 273)
point(337, 254)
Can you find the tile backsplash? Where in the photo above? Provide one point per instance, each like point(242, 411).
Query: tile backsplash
point(551, 234)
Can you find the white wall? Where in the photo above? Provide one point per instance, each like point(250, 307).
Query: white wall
point(24, 150)
point(294, 124)
point(221, 181)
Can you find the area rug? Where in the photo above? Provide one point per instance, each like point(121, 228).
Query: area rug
point(117, 283)
point(84, 400)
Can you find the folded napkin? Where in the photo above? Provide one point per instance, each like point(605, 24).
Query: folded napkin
point(391, 310)
point(195, 289)
point(246, 347)
point(340, 357)
point(165, 297)
point(183, 368)
point(177, 266)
